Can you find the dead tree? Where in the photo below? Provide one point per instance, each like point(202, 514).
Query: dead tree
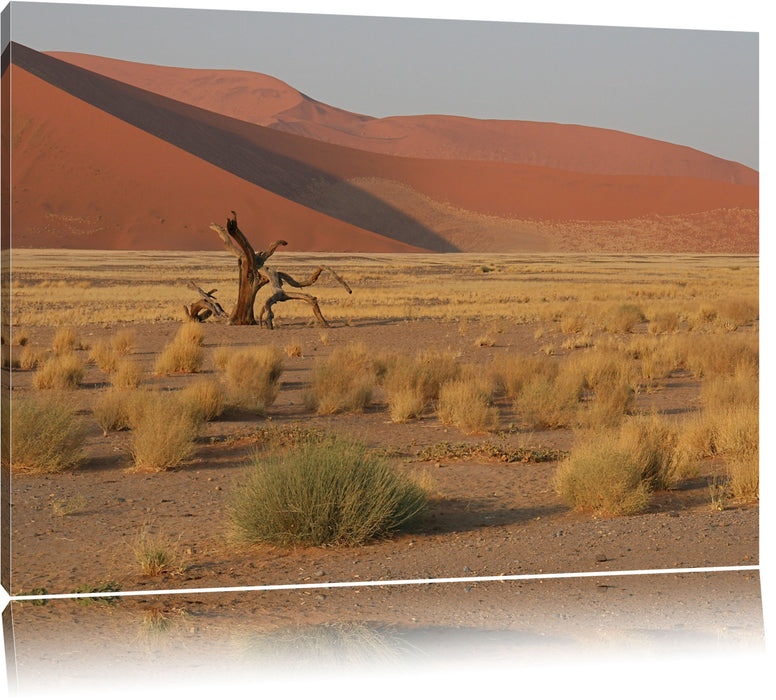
point(276, 280)
point(249, 261)
point(205, 307)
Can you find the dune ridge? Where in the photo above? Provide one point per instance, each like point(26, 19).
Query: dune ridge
point(187, 164)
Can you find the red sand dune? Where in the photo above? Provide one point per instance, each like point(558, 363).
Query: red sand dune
point(85, 179)
point(264, 100)
point(155, 172)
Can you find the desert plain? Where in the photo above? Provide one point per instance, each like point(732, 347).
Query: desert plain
point(493, 509)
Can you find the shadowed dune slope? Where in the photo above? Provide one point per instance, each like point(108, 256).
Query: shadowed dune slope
point(87, 179)
point(267, 101)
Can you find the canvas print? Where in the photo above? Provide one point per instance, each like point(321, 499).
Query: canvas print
point(297, 299)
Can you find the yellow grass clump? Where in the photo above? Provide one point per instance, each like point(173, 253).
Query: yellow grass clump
point(111, 410)
point(467, 403)
point(342, 382)
point(128, 374)
point(46, 437)
point(184, 354)
point(104, 356)
point(65, 341)
point(64, 371)
point(253, 377)
point(205, 398)
point(163, 432)
point(123, 342)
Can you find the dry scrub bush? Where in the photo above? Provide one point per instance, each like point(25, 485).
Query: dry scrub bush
point(342, 382)
point(111, 410)
point(614, 473)
point(163, 432)
point(602, 477)
point(516, 371)
point(664, 322)
point(123, 342)
point(253, 377)
point(711, 355)
point(184, 354)
point(45, 435)
point(410, 384)
point(324, 492)
point(221, 356)
point(205, 398)
point(624, 318)
point(737, 439)
point(467, 403)
point(128, 374)
point(59, 372)
point(30, 358)
point(65, 341)
point(104, 356)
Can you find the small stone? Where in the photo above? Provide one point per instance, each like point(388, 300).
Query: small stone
point(601, 557)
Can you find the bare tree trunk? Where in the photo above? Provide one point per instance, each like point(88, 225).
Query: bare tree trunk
point(249, 261)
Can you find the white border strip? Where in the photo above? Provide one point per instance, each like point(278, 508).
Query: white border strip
point(397, 582)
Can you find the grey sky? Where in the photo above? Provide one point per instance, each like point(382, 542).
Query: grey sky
point(693, 87)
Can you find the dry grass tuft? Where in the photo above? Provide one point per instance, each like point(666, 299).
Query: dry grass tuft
point(342, 382)
point(205, 398)
point(293, 350)
point(128, 374)
point(63, 371)
point(111, 410)
point(104, 356)
point(155, 556)
point(613, 473)
point(45, 435)
point(253, 377)
point(163, 432)
point(467, 403)
point(123, 342)
point(30, 358)
point(184, 354)
point(624, 318)
point(65, 341)
point(327, 492)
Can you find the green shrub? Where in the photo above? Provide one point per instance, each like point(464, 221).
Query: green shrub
point(325, 492)
point(45, 435)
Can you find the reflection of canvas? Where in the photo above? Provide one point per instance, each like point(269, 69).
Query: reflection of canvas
point(548, 364)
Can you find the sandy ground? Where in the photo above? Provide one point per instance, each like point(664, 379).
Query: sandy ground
point(487, 517)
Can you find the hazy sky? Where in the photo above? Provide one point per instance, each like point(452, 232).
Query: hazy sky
point(693, 87)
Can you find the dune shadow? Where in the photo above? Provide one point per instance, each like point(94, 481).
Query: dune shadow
point(290, 166)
